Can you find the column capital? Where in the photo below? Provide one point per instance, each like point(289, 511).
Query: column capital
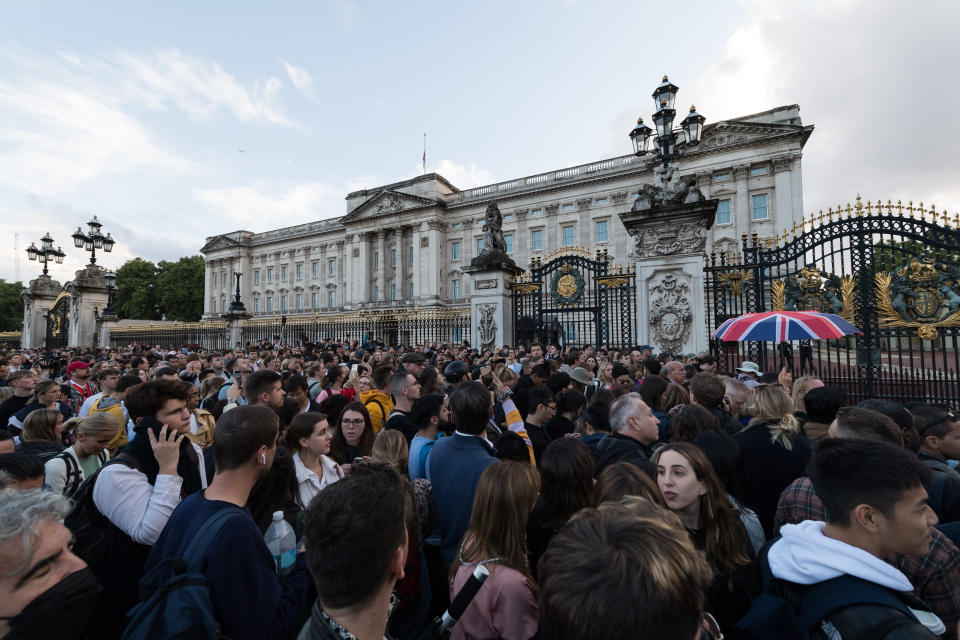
point(741, 171)
point(782, 163)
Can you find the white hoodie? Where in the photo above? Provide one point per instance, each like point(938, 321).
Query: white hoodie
point(805, 556)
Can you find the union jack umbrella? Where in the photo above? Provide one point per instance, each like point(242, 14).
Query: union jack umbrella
point(777, 326)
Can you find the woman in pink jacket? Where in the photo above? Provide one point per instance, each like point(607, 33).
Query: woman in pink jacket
point(506, 606)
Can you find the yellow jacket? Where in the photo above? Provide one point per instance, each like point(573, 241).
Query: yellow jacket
point(379, 405)
point(205, 423)
point(115, 409)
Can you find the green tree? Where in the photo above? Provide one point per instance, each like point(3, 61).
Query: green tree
point(180, 288)
point(136, 294)
point(890, 254)
point(11, 306)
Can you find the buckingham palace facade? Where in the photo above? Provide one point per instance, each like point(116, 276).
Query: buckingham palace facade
point(405, 245)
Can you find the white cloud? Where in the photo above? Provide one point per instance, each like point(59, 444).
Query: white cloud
point(300, 78)
point(265, 205)
point(462, 176)
point(871, 76)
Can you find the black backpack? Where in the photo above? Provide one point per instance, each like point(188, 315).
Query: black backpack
point(772, 617)
point(74, 475)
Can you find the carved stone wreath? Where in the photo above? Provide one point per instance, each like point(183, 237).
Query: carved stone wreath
point(670, 313)
point(487, 326)
point(567, 287)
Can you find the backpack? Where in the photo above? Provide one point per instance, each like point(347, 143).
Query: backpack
point(175, 595)
point(772, 617)
point(383, 412)
point(74, 474)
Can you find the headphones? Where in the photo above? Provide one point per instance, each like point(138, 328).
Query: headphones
point(263, 458)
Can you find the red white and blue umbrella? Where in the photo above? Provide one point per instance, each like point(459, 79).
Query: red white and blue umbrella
point(777, 326)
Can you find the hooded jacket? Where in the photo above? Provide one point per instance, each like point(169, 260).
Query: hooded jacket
point(615, 447)
point(803, 556)
point(379, 405)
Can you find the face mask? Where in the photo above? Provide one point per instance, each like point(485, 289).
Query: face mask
point(62, 611)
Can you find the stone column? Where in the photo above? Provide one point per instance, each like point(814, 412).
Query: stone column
point(37, 300)
point(435, 260)
point(381, 266)
point(416, 242)
point(491, 311)
point(783, 193)
point(106, 327)
point(402, 265)
point(743, 218)
point(669, 260)
point(207, 287)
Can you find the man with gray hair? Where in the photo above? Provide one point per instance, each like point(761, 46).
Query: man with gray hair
point(674, 371)
point(45, 590)
point(634, 428)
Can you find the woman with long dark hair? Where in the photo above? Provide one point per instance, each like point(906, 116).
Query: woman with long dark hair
point(570, 404)
point(692, 490)
point(506, 607)
point(309, 438)
point(353, 437)
point(651, 391)
point(566, 473)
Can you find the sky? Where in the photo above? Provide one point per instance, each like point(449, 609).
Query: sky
point(176, 121)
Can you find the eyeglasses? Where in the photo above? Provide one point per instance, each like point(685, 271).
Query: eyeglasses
point(709, 628)
point(356, 423)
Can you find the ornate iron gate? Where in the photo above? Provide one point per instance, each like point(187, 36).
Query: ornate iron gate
point(58, 322)
point(574, 298)
point(890, 270)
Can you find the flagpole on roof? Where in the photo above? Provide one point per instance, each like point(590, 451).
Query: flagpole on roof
point(424, 154)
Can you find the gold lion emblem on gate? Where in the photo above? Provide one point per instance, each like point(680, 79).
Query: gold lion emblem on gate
point(567, 286)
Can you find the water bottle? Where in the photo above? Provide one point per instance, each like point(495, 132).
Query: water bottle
point(282, 543)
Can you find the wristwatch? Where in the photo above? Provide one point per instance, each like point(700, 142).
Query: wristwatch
point(503, 396)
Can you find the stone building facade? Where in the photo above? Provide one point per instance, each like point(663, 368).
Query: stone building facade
point(406, 244)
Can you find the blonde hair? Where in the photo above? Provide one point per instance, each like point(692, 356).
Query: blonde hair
point(96, 423)
point(390, 447)
point(505, 373)
point(771, 405)
point(799, 390)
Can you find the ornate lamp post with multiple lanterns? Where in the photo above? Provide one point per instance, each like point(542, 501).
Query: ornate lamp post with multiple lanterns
point(46, 252)
point(93, 239)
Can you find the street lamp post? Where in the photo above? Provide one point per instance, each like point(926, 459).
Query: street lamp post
point(667, 148)
point(46, 252)
point(111, 280)
point(93, 239)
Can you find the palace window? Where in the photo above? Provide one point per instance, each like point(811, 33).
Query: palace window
point(332, 267)
point(508, 217)
point(720, 177)
point(536, 240)
point(758, 171)
point(313, 300)
point(536, 212)
point(393, 292)
point(331, 298)
point(256, 276)
point(269, 303)
point(455, 289)
point(601, 201)
point(567, 207)
point(759, 206)
point(457, 225)
point(315, 269)
point(410, 255)
point(269, 274)
point(215, 285)
point(602, 234)
point(256, 305)
point(299, 272)
point(479, 246)
point(568, 235)
point(455, 250)
point(508, 240)
point(723, 212)
point(393, 258)
point(410, 290)
point(283, 273)
point(283, 302)
point(299, 302)
point(376, 293)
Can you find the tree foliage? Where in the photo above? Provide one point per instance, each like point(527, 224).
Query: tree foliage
point(136, 294)
point(11, 306)
point(180, 288)
point(891, 254)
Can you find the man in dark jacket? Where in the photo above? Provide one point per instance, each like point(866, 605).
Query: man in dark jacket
point(634, 429)
point(876, 505)
point(456, 463)
point(939, 431)
point(707, 390)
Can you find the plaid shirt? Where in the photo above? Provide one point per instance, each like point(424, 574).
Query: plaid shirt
point(933, 576)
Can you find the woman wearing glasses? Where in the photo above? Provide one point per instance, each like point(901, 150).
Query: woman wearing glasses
point(353, 437)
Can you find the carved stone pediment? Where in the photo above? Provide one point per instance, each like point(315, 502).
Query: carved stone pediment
point(385, 203)
point(219, 242)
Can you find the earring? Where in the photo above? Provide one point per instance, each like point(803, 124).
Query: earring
point(263, 458)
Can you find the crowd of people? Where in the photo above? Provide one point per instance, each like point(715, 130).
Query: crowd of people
point(602, 494)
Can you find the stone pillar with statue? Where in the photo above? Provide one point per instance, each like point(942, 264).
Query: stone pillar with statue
point(492, 272)
point(88, 297)
point(38, 298)
point(668, 223)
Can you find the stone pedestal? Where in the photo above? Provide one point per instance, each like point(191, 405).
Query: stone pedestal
point(88, 291)
point(107, 323)
point(37, 300)
point(491, 312)
point(669, 243)
point(235, 326)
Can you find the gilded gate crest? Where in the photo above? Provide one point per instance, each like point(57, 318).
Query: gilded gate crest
point(924, 294)
point(814, 290)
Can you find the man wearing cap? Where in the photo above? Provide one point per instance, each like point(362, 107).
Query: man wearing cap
point(582, 381)
point(413, 363)
point(78, 386)
point(748, 373)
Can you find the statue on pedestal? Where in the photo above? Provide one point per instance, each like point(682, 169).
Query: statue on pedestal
point(493, 230)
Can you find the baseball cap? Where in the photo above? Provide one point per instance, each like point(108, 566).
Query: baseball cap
point(79, 364)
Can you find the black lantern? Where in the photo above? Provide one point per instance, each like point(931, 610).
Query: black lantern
point(692, 127)
point(111, 279)
point(108, 243)
point(59, 255)
point(665, 95)
point(640, 136)
point(78, 238)
point(32, 251)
